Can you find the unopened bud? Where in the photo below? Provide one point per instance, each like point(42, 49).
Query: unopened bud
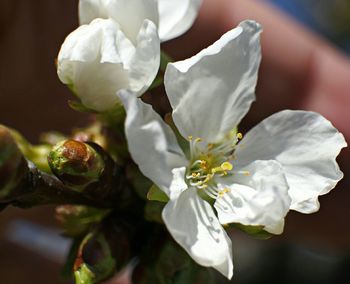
point(77, 219)
point(76, 164)
point(94, 262)
point(13, 167)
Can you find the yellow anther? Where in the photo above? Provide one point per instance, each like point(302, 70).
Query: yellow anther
point(198, 140)
point(196, 175)
point(210, 146)
point(215, 170)
point(226, 166)
point(203, 164)
point(190, 138)
point(246, 173)
point(223, 192)
point(239, 135)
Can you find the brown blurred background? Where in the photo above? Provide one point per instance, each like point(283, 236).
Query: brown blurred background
point(33, 100)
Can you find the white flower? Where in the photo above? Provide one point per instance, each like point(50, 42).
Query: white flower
point(173, 17)
point(283, 163)
point(99, 59)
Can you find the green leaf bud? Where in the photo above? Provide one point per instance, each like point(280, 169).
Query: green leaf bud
point(76, 164)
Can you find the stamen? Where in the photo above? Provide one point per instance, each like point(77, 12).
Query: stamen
point(211, 161)
point(246, 173)
point(226, 166)
point(196, 175)
point(221, 193)
point(203, 164)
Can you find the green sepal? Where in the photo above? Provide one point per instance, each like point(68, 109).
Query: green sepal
point(254, 231)
point(114, 117)
point(156, 83)
point(79, 107)
point(156, 194)
point(164, 60)
point(153, 211)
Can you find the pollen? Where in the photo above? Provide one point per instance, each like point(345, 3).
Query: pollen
point(226, 166)
point(196, 175)
point(221, 193)
point(239, 135)
point(203, 164)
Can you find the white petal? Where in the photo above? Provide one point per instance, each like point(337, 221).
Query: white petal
point(212, 91)
point(193, 224)
point(260, 199)
point(178, 184)
point(97, 60)
point(152, 144)
point(130, 14)
point(145, 62)
point(176, 17)
point(306, 145)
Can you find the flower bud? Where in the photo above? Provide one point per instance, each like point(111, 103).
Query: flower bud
point(13, 166)
point(98, 60)
point(77, 219)
point(76, 164)
point(106, 250)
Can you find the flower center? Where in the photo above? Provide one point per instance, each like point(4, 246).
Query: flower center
point(210, 161)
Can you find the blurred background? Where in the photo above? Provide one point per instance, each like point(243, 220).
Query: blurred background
point(314, 248)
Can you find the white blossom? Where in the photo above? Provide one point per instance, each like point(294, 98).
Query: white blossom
point(99, 59)
point(283, 163)
point(172, 18)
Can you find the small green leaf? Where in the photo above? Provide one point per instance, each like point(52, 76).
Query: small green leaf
point(156, 194)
